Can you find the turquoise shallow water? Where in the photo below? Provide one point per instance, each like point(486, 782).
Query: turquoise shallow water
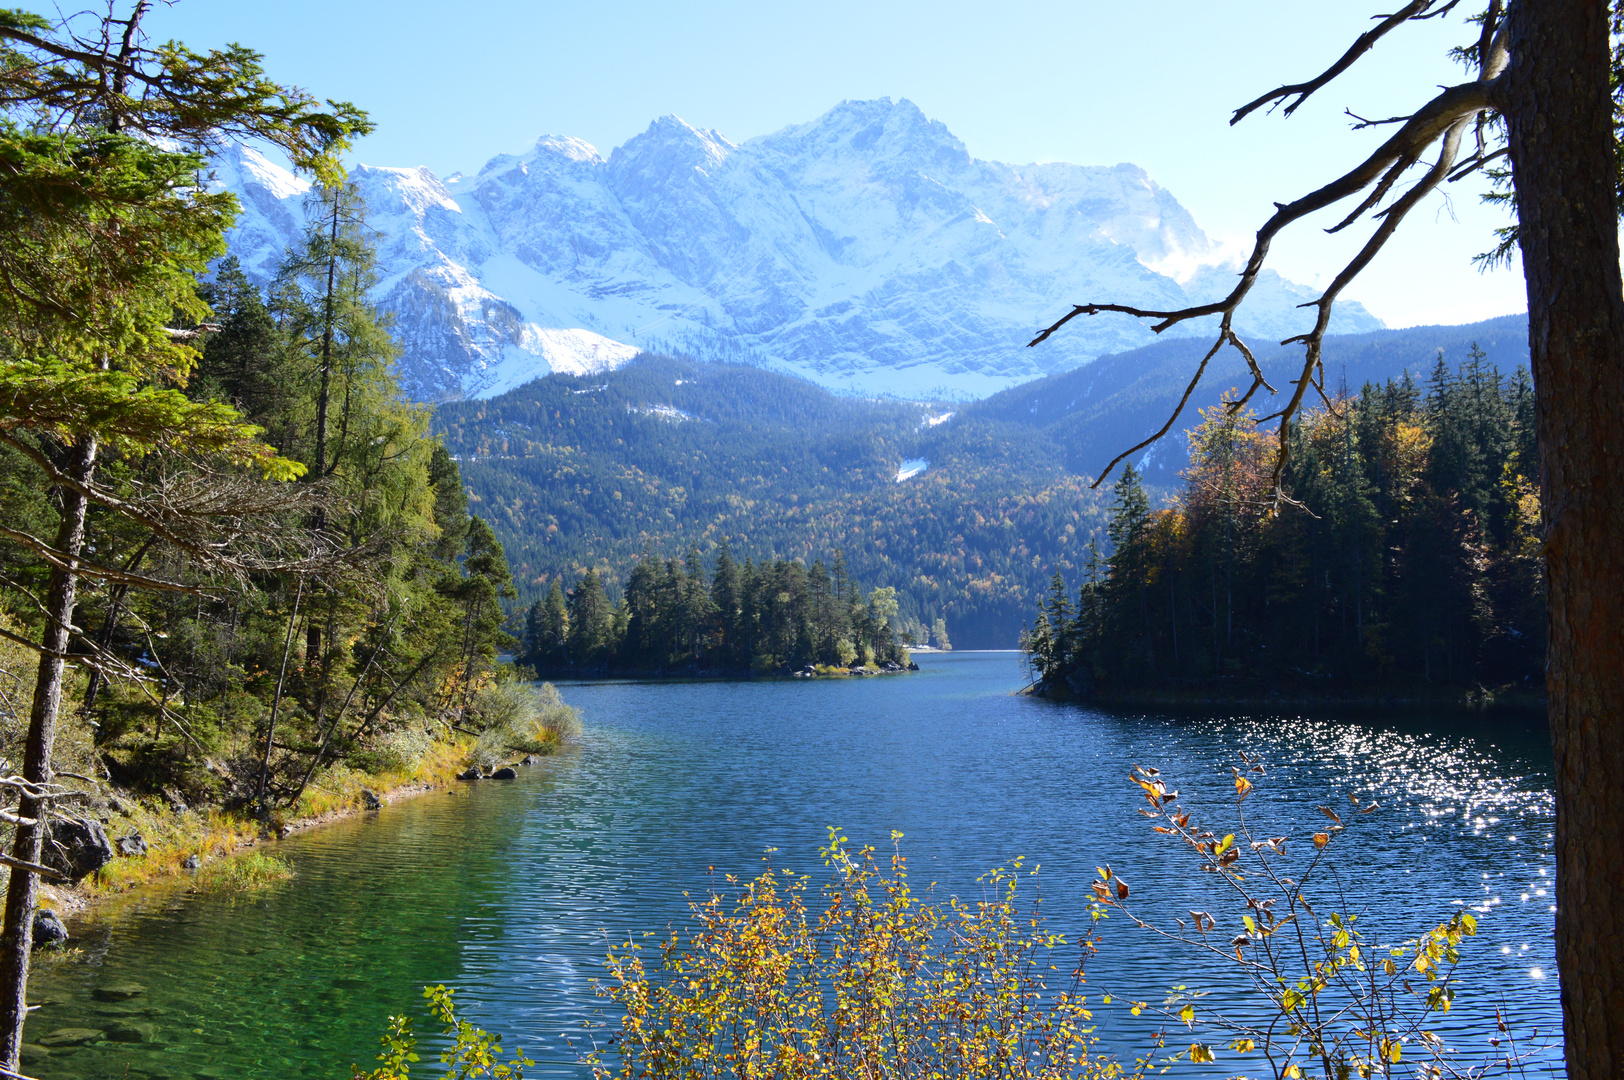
point(511, 892)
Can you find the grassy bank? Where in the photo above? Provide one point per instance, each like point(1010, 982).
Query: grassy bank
point(173, 835)
point(156, 836)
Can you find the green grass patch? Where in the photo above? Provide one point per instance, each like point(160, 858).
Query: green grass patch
point(243, 873)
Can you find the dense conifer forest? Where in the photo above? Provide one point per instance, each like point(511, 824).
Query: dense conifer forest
point(577, 472)
point(1407, 557)
point(669, 453)
point(737, 618)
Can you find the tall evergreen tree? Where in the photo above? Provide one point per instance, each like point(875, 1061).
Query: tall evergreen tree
point(590, 621)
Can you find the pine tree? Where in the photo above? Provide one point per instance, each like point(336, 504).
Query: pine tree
point(546, 630)
point(103, 229)
point(589, 621)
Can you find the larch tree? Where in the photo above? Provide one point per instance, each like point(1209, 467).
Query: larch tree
point(1543, 95)
point(103, 231)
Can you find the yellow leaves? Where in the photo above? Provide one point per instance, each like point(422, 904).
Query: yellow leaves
point(1243, 1046)
point(1321, 839)
point(1292, 1072)
point(1200, 1054)
point(1242, 786)
point(772, 985)
point(1187, 1014)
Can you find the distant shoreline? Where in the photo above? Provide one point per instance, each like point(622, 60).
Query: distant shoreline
point(1460, 698)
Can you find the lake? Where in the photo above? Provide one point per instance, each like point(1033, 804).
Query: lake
point(511, 892)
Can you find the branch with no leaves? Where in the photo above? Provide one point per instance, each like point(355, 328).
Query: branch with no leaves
point(1441, 123)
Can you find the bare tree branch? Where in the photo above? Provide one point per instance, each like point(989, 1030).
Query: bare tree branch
point(1413, 11)
point(79, 565)
point(1442, 120)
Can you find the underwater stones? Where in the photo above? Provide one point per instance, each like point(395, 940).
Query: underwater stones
point(118, 991)
point(131, 1032)
point(71, 1036)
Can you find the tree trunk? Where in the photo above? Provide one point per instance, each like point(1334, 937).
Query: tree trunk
point(17, 935)
point(1559, 115)
point(319, 469)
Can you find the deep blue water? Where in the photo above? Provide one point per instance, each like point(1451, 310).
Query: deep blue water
point(512, 892)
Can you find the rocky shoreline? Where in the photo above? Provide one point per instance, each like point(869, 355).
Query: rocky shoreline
point(107, 868)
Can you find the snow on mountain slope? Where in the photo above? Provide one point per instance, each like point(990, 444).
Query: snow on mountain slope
point(866, 250)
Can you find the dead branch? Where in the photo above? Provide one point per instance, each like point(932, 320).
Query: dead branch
point(1416, 10)
point(73, 564)
point(1441, 121)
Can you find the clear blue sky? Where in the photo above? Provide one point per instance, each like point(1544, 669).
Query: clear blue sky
point(451, 84)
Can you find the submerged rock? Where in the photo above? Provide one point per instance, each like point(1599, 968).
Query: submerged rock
point(118, 991)
point(71, 1036)
point(506, 772)
point(76, 847)
point(48, 929)
point(530, 759)
point(30, 1052)
point(132, 1033)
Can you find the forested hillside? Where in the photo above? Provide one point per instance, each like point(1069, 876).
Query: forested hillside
point(1412, 559)
point(1095, 412)
point(666, 454)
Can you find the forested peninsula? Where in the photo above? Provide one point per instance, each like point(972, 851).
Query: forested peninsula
point(1405, 563)
point(735, 619)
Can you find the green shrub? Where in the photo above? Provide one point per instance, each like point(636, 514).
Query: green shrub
point(521, 719)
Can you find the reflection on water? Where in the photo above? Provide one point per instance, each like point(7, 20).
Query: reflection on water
point(511, 892)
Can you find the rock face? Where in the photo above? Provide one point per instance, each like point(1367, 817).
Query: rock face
point(132, 846)
point(77, 847)
point(48, 929)
point(866, 250)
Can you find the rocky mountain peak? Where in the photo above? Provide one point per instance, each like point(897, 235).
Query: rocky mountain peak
point(866, 250)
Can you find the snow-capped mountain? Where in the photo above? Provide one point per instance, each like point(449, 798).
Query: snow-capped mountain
point(866, 250)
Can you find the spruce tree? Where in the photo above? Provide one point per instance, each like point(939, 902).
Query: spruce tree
point(589, 621)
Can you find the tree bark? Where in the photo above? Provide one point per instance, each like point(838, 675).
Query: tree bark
point(17, 934)
point(1559, 117)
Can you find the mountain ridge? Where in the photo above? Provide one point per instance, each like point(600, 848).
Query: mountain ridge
point(866, 250)
point(966, 510)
